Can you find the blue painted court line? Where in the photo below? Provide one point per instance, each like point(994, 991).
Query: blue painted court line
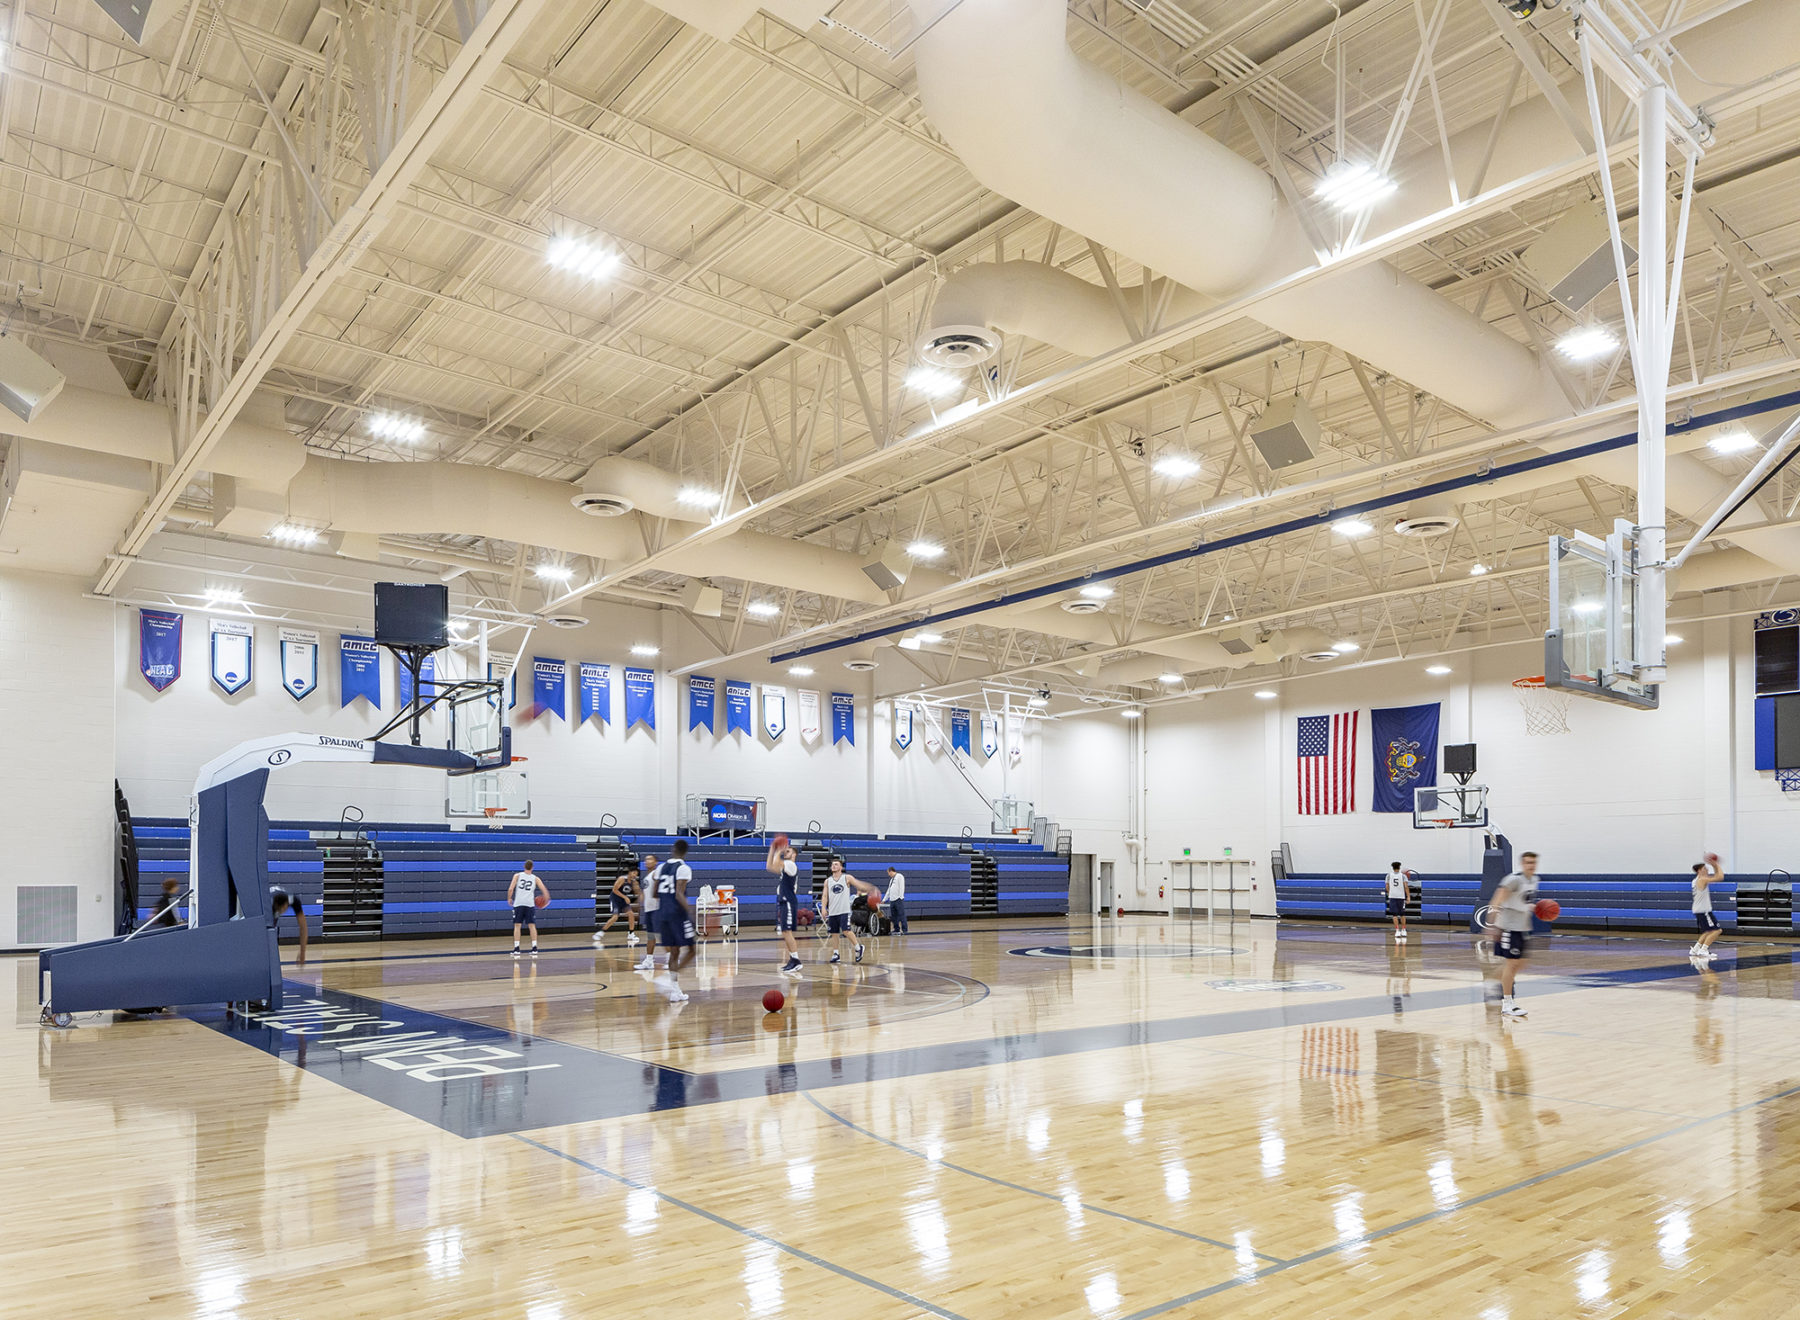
point(1337, 1248)
point(797, 1253)
point(1029, 1191)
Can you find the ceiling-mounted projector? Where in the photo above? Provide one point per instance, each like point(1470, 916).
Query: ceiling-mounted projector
point(27, 383)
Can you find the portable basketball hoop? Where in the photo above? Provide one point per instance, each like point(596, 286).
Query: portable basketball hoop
point(1546, 708)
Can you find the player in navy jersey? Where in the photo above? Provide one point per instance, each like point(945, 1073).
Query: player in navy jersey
point(669, 882)
point(787, 904)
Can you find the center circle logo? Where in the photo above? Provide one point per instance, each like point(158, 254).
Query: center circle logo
point(1122, 951)
point(281, 757)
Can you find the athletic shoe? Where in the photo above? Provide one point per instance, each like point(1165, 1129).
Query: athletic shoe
point(796, 971)
point(645, 964)
point(1708, 954)
point(515, 951)
point(835, 957)
point(1513, 1008)
point(859, 953)
point(632, 939)
point(678, 996)
point(599, 940)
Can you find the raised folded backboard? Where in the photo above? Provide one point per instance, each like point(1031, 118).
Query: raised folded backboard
point(1592, 646)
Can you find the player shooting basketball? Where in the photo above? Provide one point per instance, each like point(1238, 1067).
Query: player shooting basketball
point(1706, 921)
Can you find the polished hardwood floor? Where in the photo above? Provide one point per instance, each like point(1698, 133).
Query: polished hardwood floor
point(983, 1120)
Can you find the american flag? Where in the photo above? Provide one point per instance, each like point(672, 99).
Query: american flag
point(1327, 762)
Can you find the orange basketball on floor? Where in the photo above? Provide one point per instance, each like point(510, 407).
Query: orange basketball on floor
point(773, 1001)
point(542, 899)
point(1548, 909)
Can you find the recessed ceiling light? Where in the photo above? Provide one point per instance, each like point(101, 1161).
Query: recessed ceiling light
point(1037, 701)
point(1130, 713)
point(1672, 639)
point(1587, 343)
point(762, 609)
point(1226, 618)
point(1263, 694)
point(644, 649)
point(1586, 607)
point(1345, 648)
point(1097, 591)
point(697, 496)
point(800, 671)
point(1477, 570)
point(293, 534)
point(554, 572)
point(1170, 679)
point(224, 595)
point(929, 638)
point(1734, 441)
point(932, 382)
point(1437, 669)
point(392, 426)
point(581, 257)
point(924, 550)
point(1351, 527)
point(1176, 466)
point(1353, 186)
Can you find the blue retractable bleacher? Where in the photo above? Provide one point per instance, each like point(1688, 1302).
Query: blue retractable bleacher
point(1607, 902)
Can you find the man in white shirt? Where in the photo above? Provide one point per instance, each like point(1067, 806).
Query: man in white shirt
point(896, 900)
point(1398, 878)
point(1706, 873)
point(648, 916)
point(1509, 927)
point(522, 894)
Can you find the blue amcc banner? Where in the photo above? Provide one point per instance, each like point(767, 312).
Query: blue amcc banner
point(959, 730)
point(159, 647)
point(1405, 743)
point(843, 718)
point(701, 691)
point(596, 692)
point(427, 681)
point(359, 670)
point(640, 697)
point(737, 706)
point(548, 680)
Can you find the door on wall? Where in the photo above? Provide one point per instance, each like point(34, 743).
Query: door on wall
point(1081, 882)
point(1106, 887)
point(1217, 887)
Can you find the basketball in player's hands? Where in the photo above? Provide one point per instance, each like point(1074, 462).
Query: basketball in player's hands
point(781, 841)
point(1547, 909)
point(1711, 859)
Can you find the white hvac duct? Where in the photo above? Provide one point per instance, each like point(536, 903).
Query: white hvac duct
point(1039, 125)
point(617, 484)
point(1032, 299)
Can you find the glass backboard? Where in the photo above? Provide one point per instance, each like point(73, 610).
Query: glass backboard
point(1450, 807)
point(1592, 646)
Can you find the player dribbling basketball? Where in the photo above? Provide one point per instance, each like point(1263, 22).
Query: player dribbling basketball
point(1509, 926)
point(1706, 921)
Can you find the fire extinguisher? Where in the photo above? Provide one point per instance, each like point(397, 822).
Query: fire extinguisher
point(1159, 892)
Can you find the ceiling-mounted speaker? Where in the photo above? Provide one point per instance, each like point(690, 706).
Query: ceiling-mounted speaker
point(702, 599)
point(132, 16)
point(1572, 260)
point(888, 567)
point(28, 384)
point(1287, 433)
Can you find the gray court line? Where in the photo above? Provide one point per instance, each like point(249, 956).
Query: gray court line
point(1029, 1191)
point(798, 1254)
point(1337, 1248)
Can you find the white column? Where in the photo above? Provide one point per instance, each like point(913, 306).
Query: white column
point(1652, 368)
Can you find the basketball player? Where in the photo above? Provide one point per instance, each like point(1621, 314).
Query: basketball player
point(1705, 873)
point(896, 901)
point(838, 887)
point(1398, 878)
point(1510, 911)
point(787, 905)
point(624, 892)
point(648, 962)
point(280, 901)
point(522, 894)
point(674, 917)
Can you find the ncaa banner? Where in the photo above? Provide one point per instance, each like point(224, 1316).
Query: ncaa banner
point(299, 662)
point(990, 736)
point(843, 718)
point(701, 692)
point(233, 646)
point(903, 726)
point(159, 647)
point(549, 678)
point(359, 670)
point(774, 710)
point(809, 716)
point(596, 692)
point(1405, 742)
point(737, 706)
point(427, 680)
point(959, 730)
point(640, 697)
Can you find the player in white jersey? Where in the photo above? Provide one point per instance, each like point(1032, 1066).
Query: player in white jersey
point(522, 894)
point(840, 888)
point(1398, 878)
point(1706, 873)
point(1509, 927)
point(648, 916)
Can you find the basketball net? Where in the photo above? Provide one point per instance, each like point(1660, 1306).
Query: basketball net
point(1546, 709)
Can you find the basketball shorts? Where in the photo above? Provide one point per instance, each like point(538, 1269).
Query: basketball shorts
point(1396, 907)
point(1705, 921)
point(524, 916)
point(1512, 944)
point(837, 923)
point(677, 930)
point(620, 905)
point(787, 914)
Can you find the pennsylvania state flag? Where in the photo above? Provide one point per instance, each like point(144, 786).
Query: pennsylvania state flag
point(1405, 742)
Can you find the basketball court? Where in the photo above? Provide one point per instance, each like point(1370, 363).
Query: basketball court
point(965, 658)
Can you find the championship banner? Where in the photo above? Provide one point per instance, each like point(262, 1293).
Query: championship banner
point(990, 736)
point(1015, 739)
point(596, 692)
point(359, 670)
point(1405, 742)
point(299, 662)
point(934, 739)
point(701, 691)
point(233, 646)
point(843, 718)
point(774, 710)
point(737, 706)
point(549, 678)
point(903, 726)
point(640, 697)
point(159, 647)
point(959, 730)
point(809, 715)
point(427, 680)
